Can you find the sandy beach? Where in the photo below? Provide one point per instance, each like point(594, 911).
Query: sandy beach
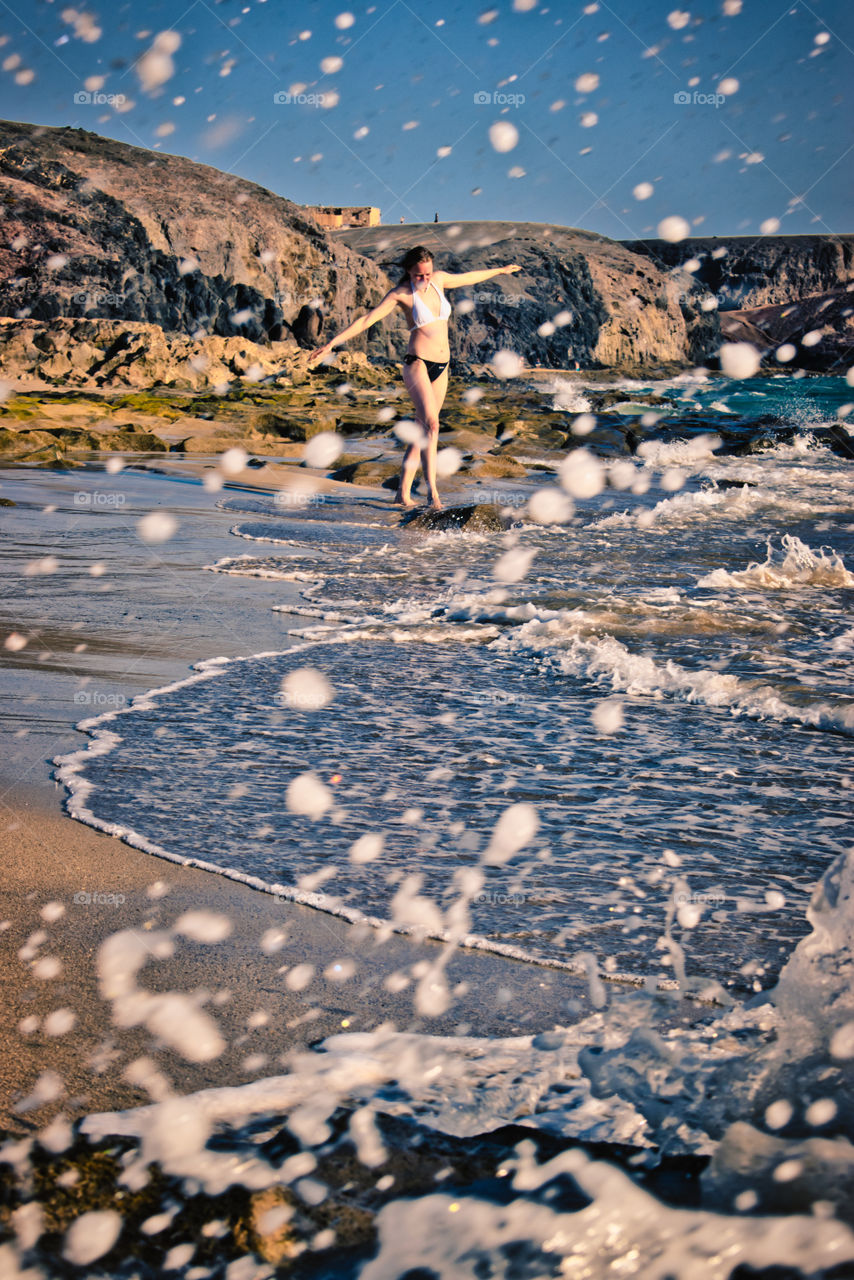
point(616, 682)
point(49, 858)
point(142, 634)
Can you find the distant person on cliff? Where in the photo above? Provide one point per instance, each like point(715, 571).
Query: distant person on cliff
point(425, 366)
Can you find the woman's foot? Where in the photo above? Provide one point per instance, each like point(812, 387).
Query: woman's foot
point(401, 501)
point(436, 503)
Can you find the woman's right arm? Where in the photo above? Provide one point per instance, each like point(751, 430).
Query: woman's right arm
point(379, 312)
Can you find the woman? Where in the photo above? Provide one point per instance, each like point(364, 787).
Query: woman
point(425, 366)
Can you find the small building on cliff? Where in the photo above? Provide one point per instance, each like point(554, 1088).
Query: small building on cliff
point(345, 215)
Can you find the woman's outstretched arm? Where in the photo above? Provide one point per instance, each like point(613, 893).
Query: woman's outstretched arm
point(364, 322)
point(453, 281)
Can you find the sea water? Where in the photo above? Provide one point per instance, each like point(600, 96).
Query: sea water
point(662, 684)
point(620, 743)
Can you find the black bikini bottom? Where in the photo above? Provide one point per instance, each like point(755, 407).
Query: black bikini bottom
point(434, 369)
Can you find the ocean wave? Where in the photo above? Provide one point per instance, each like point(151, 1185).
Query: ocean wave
point(741, 503)
point(793, 567)
point(607, 659)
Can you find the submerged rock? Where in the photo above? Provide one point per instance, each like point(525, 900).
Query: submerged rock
point(482, 517)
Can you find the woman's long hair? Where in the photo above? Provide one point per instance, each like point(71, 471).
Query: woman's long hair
point(412, 259)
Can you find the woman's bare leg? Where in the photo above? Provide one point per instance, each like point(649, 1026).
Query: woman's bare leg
point(407, 475)
point(430, 449)
point(427, 416)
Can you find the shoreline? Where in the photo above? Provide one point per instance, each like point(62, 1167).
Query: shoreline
point(163, 615)
point(55, 859)
point(49, 858)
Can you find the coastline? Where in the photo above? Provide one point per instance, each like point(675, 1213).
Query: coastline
point(49, 858)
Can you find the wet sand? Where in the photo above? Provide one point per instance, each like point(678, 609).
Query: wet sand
point(49, 858)
point(145, 632)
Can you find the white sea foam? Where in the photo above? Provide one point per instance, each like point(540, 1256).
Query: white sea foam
point(795, 566)
point(606, 660)
point(740, 503)
point(613, 1077)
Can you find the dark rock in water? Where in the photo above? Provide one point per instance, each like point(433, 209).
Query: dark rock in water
point(256, 462)
point(7, 502)
point(369, 471)
point(761, 443)
point(180, 446)
point(838, 439)
point(482, 517)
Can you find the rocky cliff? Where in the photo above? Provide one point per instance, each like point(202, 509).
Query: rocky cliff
point(758, 271)
point(819, 331)
point(100, 231)
point(94, 228)
point(579, 296)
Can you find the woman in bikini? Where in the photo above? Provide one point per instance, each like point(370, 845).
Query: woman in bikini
point(425, 365)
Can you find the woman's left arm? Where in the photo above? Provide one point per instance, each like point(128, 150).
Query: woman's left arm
point(450, 280)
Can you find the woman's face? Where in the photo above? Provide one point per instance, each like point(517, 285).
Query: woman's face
point(421, 274)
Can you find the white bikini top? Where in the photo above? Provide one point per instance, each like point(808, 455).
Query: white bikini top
point(421, 313)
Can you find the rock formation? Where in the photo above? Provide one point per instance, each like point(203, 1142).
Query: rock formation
point(757, 271)
point(578, 298)
point(98, 229)
point(820, 328)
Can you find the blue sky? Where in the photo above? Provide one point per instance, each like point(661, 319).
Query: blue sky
point(614, 110)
